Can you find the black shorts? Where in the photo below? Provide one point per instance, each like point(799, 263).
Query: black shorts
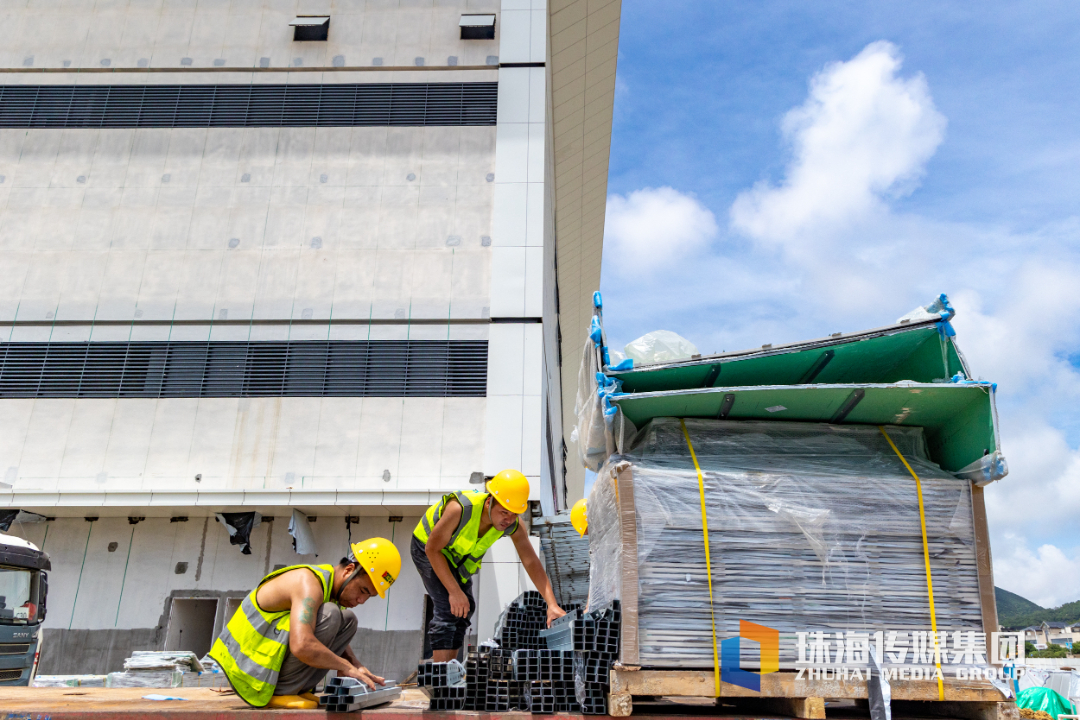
point(445, 632)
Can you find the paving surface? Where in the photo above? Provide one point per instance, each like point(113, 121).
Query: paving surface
point(209, 704)
point(198, 704)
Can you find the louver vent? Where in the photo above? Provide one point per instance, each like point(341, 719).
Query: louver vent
point(177, 106)
point(382, 368)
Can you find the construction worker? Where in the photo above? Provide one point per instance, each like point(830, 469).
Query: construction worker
point(449, 543)
point(579, 518)
point(296, 625)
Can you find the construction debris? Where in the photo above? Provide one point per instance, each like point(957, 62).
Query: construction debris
point(155, 669)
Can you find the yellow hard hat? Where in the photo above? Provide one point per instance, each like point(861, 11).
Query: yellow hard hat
point(579, 518)
point(381, 560)
point(511, 489)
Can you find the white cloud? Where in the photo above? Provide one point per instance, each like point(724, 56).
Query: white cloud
point(655, 227)
point(829, 252)
point(1048, 576)
point(863, 133)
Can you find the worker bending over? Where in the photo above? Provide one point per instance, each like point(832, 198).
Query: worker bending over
point(449, 543)
point(296, 625)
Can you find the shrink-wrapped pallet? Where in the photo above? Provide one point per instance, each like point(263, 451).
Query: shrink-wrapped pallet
point(812, 527)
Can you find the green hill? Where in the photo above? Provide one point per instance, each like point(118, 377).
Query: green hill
point(1018, 612)
point(1011, 607)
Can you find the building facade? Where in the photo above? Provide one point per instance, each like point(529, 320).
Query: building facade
point(268, 256)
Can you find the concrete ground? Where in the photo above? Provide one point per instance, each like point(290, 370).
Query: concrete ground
point(210, 704)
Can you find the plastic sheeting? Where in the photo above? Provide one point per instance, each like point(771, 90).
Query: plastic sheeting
point(812, 527)
point(240, 526)
point(1045, 699)
point(601, 428)
point(660, 346)
point(303, 538)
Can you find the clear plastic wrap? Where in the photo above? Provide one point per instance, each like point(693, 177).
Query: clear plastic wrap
point(812, 527)
point(601, 426)
point(159, 678)
point(660, 346)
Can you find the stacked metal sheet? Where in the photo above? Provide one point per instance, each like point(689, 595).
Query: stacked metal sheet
point(812, 527)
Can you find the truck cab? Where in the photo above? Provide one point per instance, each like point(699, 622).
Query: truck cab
point(23, 589)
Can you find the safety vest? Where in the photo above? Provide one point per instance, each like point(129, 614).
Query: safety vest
point(466, 549)
point(251, 648)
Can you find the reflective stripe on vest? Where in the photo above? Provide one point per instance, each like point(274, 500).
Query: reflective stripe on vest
point(252, 646)
point(466, 549)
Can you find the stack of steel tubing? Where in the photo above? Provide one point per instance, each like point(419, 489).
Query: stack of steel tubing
point(812, 527)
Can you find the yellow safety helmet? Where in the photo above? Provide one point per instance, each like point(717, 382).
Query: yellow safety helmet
point(381, 560)
point(579, 518)
point(511, 489)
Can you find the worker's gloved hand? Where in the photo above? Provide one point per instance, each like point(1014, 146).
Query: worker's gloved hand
point(367, 677)
point(459, 603)
point(554, 613)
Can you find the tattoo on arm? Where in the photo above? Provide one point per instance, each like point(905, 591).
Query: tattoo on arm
point(307, 612)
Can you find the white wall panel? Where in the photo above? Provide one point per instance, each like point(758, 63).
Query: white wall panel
point(503, 433)
point(506, 359)
point(512, 151)
point(510, 214)
point(508, 275)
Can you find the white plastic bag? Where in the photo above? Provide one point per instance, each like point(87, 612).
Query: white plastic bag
point(660, 346)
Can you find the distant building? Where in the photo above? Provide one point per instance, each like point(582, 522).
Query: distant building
point(317, 256)
point(1053, 633)
point(1060, 633)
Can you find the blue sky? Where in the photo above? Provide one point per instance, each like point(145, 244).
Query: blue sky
point(783, 170)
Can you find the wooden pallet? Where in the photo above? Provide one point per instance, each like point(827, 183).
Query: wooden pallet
point(787, 694)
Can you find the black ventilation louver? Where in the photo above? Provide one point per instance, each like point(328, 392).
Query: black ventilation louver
point(337, 368)
point(180, 106)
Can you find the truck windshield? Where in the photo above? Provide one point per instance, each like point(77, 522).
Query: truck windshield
point(18, 595)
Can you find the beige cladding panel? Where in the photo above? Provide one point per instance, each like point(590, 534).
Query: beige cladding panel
point(264, 223)
point(584, 43)
point(184, 34)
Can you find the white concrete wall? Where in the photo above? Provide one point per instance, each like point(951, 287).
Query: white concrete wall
point(95, 589)
point(125, 34)
point(97, 593)
point(257, 223)
point(137, 449)
point(133, 226)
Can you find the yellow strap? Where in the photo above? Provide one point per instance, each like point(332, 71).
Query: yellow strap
point(708, 562)
point(926, 559)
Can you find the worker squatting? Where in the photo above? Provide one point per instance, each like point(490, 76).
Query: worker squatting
point(297, 624)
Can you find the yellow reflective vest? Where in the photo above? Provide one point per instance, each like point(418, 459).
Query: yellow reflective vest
point(251, 648)
point(466, 548)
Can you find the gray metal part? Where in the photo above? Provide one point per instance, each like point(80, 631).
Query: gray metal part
point(351, 703)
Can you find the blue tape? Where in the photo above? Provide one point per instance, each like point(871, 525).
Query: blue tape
point(945, 329)
point(598, 302)
point(947, 311)
point(627, 364)
point(596, 334)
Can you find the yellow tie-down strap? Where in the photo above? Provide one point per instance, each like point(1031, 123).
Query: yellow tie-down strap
point(926, 560)
point(708, 562)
